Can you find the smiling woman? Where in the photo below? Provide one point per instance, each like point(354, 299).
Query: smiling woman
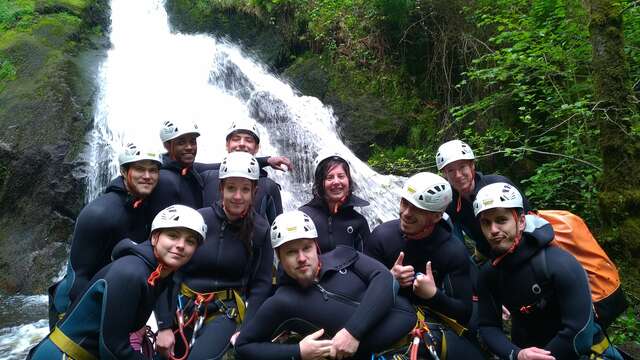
point(120, 297)
point(233, 268)
point(332, 206)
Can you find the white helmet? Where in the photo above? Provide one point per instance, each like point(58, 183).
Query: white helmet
point(327, 154)
point(180, 216)
point(239, 164)
point(173, 129)
point(245, 124)
point(428, 191)
point(132, 153)
point(497, 195)
point(290, 226)
point(451, 151)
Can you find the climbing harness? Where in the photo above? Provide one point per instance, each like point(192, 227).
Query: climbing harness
point(193, 311)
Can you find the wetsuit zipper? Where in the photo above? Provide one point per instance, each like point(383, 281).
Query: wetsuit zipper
point(330, 228)
point(326, 294)
point(223, 225)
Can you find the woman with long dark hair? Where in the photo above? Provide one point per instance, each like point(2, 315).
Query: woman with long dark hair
point(230, 277)
point(332, 206)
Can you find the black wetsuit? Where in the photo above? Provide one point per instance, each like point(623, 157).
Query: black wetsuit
point(102, 223)
point(461, 211)
point(221, 263)
point(353, 292)
point(558, 323)
point(449, 264)
point(267, 203)
point(117, 302)
point(176, 185)
point(346, 227)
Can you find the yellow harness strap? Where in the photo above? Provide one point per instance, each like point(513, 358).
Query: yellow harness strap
point(227, 294)
point(68, 346)
point(443, 350)
point(449, 322)
point(600, 347)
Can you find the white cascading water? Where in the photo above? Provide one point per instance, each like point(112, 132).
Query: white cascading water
point(151, 75)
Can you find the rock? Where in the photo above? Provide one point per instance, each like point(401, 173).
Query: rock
point(256, 35)
point(308, 75)
point(45, 111)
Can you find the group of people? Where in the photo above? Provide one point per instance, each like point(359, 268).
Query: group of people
point(208, 249)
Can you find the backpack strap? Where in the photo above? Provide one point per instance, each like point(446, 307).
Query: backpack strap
point(541, 286)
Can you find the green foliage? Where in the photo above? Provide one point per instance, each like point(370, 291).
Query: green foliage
point(11, 12)
point(535, 100)
point(626, 328)
point(7, 72)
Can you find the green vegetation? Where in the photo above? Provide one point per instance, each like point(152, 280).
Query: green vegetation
point(514, 78)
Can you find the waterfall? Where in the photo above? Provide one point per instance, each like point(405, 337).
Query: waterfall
point(151, 75)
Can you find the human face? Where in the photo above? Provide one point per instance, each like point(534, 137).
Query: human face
point(460, 175)
point(237, 196)
point(183, 149)
point(141, 177)
point(500, 228)
point(416, 222)
point(174, 247)
point(336, 184)
point(299, 259)
point(242, 141)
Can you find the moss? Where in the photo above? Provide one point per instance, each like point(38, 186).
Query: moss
point(75, 7)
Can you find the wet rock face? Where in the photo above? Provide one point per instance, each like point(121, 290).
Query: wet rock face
point(255, 35)
point(45, 113)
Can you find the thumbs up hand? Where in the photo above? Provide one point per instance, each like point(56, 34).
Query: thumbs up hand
point(424, 285)
point(404, 274)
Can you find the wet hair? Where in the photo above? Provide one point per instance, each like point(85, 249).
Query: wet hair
point(248, 221)
point(321, 173)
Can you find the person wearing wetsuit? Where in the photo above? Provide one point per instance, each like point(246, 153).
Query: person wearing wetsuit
point(121, 212)
point(121, 296)
point(455, 160)
point(422, 241)
point(234, 266)
point(348, 296)
point(180, 182)
point(181, 177)
point(332, 206)
point(243, 135)
point(550, 320)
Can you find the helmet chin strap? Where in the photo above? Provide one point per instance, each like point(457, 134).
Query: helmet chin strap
point(516, 240)
point(155, 275)
point(336, 206)
point(129, 187)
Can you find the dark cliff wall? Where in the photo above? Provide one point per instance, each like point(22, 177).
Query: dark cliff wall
point(49, 52)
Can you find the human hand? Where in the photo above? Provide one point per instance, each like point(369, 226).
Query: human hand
point(534, 353)
point(313, 349)
point(165, 341)
point(234, 337)
point(344, 344)
point(280, 163)
point(404, 274)
point(424, 285)
point(506, 315)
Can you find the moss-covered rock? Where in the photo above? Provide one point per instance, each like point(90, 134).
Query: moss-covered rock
point(46, 110)
point(364, 118)
point(255, 34)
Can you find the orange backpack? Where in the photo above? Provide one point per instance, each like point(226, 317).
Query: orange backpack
point(573, 235)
